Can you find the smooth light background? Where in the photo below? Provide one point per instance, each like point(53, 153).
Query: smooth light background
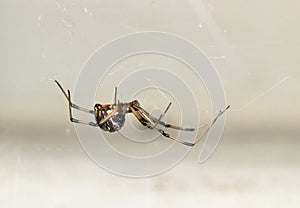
point(254, 47)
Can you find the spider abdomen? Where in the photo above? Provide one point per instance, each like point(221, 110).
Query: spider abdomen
point(115, 123)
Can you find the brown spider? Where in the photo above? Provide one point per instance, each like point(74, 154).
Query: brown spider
point(111, 117)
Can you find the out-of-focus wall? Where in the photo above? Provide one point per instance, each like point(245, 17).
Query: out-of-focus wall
point(253, 46)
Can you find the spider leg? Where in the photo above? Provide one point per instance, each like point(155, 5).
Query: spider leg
point(72, 104)
point(142, 119)
point(146, 120)
point(152, 124)
point(160, 117)
point(177, 127)
point(204, 134)
point(83, 122)
point(167, 125)
point(115, 100)
point(74, 120)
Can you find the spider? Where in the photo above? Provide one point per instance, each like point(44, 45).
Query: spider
point(111, 117)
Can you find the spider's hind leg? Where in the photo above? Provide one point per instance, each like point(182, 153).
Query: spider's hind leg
point(74, 120)
point(72, 105)
point(70, 102)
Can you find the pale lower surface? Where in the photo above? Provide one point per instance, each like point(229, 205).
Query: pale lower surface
point(245, 171)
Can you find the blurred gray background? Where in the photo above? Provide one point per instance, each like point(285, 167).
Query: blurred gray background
point(253, 45)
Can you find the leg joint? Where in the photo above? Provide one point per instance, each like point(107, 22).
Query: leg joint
point(188, 144)
point(74, 120)
point(165, 134)
point(93, 124)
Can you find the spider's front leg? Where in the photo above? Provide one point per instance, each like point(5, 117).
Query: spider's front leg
point(143, 115)
point(168, 125)
point(145, 119)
